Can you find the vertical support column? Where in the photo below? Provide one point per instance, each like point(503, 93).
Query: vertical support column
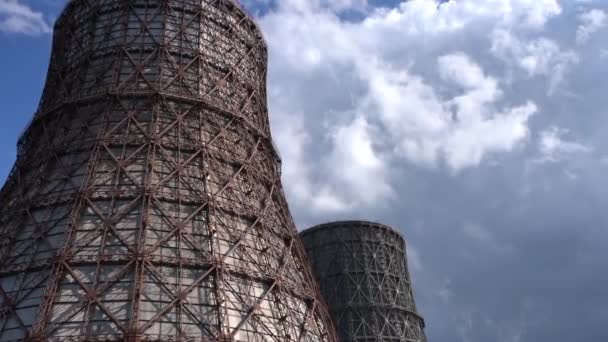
point(141, 257)
point(58, 266)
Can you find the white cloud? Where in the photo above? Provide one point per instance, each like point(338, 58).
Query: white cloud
point(350, 173)
point(291, 137)
point(554, 147)
point(461, 130)
point(355, 164)
point(360, 82)
point(538, 57)
point(426, 17)
point(16, 17)
point(591, 22)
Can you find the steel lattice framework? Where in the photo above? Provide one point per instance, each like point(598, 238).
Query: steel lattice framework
point(362, 270)
point(146, 203)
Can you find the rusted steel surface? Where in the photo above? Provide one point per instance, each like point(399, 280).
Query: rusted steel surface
point(362, 270)
point(145, 203)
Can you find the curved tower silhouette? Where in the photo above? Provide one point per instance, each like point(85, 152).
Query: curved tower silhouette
point(145, 203)
point(362, 270)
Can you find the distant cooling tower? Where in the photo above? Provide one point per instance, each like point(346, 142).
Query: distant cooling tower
point(362, 270)
point(146, 202)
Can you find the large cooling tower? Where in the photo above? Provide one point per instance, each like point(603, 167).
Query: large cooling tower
point(362, 270)
point(145, 203)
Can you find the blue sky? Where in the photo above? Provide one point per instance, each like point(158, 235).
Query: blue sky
point(475, 127)
point(23, 76)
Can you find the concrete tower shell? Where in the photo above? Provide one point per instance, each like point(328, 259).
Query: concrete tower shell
point(362, 270)
point(145, 203)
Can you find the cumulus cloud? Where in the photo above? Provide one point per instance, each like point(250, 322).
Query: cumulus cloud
point(553, 146)
point(591, 22)
point(291, 136)
point(479, 128)
point(461, 130)
point(16, 17)
point(427, 17)
point(455, 116)
point(537, 57)
point(355, 164)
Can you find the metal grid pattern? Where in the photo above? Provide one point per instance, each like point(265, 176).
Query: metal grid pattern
point(146, 203)
point(362, 270)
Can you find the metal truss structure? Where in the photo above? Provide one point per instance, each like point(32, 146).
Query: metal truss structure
point(145, 203)
point(362, 270)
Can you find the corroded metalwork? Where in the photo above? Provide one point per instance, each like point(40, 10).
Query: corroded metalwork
point(362, 270)
point(146, 203)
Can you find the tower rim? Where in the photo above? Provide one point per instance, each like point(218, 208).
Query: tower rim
point(236, 3)
point(352, 222)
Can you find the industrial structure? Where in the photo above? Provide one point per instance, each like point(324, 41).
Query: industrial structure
point(362, 270)
point(145, 203)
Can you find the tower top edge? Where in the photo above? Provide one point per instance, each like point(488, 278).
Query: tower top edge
point(235, 4)
point(353, 223)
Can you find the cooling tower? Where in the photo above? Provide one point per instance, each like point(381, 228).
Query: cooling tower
point(145, 203)
point(362, 270)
